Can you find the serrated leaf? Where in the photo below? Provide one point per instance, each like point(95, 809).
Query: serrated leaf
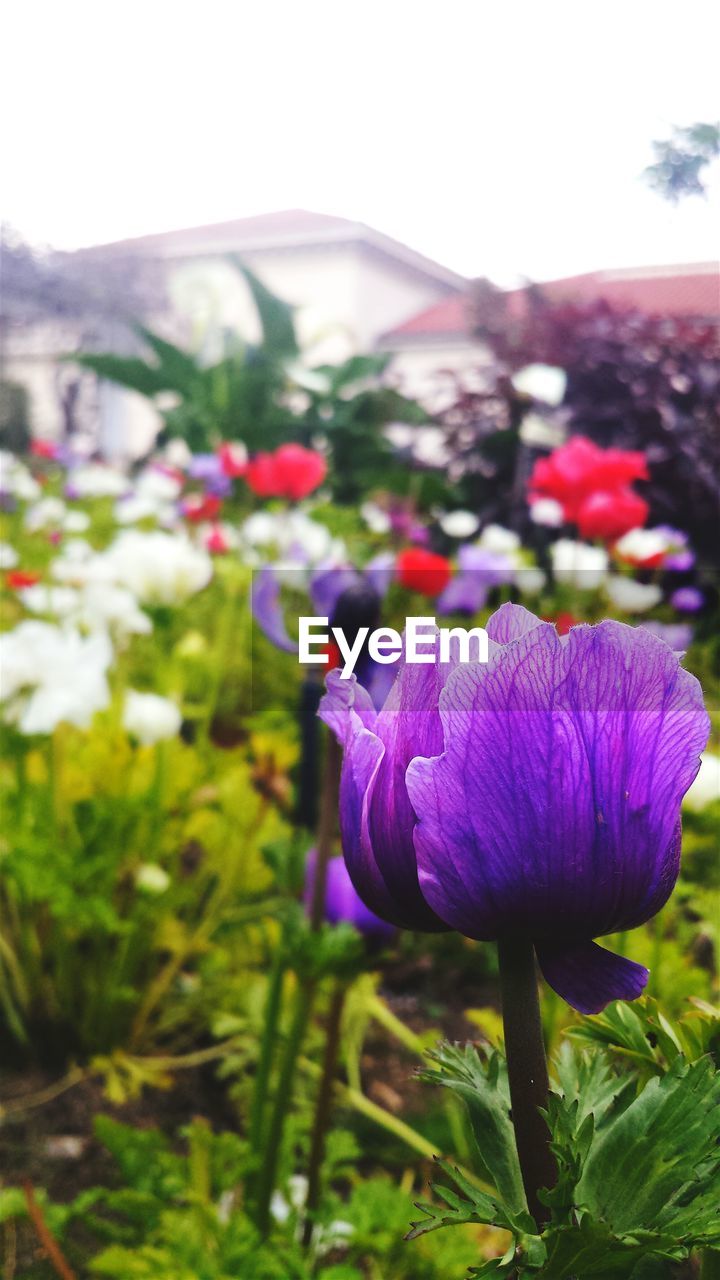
point(647, 1160)
point(481, 1082)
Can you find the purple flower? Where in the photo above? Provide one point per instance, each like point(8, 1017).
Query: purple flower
point(681, 557)
point(678, 635)
point(687, 600)
point(478, 572)
point(327, 585)
point(208, 468)
point(538, 794)
point(267, 610)
point(343, 595)
point(376, 818)
point(342, 904)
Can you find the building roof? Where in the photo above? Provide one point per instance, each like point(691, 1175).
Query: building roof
point(281, 231)
point(690, 289)
point(445, 319)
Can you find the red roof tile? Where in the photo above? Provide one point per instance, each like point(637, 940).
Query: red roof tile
point(675, 291)
point(683, 290)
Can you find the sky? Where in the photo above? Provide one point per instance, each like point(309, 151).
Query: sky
point(505, 138)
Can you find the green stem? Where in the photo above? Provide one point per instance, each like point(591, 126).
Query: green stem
point(527, 1069)
point(323, 1108)
point(710, 1264)
point(267, 1046)
point(283, 1096)
point(326, 829)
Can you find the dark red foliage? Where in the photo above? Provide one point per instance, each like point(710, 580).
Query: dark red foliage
point(636, 381)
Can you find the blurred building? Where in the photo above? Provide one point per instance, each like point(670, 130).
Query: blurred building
point(354, 288)
point(348, 282)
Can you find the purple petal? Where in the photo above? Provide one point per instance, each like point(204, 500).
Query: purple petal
point(511, 622)
point(376, 817)
point(465, 593)
point(589, 976)
point(554, 809)
point(266, 610)
point(343, 905)
point(326, 587)
point(380, 572)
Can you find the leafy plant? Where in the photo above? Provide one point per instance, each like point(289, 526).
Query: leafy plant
point(636, 1150)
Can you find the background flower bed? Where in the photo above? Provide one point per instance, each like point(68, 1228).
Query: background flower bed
point(153, 864)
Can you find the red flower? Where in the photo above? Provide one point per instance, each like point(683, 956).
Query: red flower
point(216, 542)
point(233, 459)
point(424, 571)
point(580, 469)
point(609, 514)
point(563, 622)
point(299, 470)
point(19, 578)
point(201, 506)
point(44, 449)
point(261, 477)
point(290, 472)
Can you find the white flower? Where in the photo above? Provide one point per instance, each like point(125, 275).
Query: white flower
point(259, 529)
point(16, 479)
point(377, 520)
point(132, 509)
point(177, 454)
point(541, 381)
point(157, 485)
point(152, 878)
point(102, 604)
point(95, 480)
point(51, 675)
point(150, 718)
point(642, 544)
point(548, 512)
point(631, 596)
point(39, 598)
point(530, 582)
point(541, 433)
point(298, 541)
point(459, 524)
point(47, 512)
point(499, 540)
point(8, 556)
point(159, 568)
point(76, 522)
point(706, 787)
point(578, 563)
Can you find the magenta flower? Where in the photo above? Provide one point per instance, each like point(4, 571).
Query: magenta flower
point(343, 905)
point(537, 795)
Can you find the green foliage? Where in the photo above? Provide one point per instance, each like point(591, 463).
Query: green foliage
point(247, 395)
point(637, 1150)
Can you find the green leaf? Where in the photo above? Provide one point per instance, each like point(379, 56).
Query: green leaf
point(127, 371)
point(276, 316)
point(482, 1084)
point(657, 1157)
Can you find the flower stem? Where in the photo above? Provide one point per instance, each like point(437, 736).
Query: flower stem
point(270, 1024)
point(283, 1097)
point(527, 1069)
point(323, 1107)
point(327, 827)
point(710, 1265)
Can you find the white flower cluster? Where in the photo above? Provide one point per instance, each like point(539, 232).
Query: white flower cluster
point(51, 674)
point(295, 539)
